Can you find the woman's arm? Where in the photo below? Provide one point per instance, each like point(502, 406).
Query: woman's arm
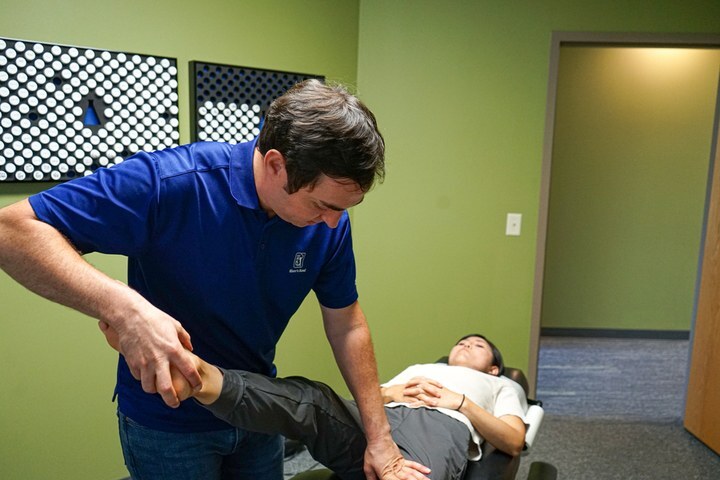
point(506, 433)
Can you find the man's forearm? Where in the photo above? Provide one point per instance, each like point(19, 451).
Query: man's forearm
point(38, 257)
point(353, 350)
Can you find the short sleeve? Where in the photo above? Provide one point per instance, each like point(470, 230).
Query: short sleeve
point(335, 286)
point(508, 402)
point(109, 211)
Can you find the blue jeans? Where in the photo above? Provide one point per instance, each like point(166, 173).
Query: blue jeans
point(232, 454)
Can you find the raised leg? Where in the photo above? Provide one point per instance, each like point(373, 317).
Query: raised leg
point(299, 409)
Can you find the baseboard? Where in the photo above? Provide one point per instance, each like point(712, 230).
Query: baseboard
point(615, 333)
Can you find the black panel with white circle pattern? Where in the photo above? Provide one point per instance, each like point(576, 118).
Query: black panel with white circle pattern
point(228, 103)
point(66, 111)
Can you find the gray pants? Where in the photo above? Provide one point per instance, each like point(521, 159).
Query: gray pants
point(329, 426)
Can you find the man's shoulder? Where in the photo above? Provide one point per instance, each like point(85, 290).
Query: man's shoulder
point(193, 157)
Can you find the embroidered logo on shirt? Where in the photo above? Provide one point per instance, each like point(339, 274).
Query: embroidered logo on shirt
point(299, 263)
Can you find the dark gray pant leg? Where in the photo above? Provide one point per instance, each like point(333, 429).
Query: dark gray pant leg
point(431, 438)
point(300, 409)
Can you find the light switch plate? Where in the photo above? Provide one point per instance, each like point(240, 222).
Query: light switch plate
point(514, 222)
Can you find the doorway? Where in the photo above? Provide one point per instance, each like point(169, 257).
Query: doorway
point(616, 220)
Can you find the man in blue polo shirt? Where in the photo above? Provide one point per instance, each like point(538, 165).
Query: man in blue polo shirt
point(223, 242)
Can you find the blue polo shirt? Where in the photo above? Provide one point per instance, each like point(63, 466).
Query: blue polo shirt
point(201, 249)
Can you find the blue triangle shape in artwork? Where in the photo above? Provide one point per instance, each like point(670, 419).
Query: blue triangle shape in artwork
point(91, 117)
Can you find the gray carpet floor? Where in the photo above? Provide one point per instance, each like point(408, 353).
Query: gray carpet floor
point(613, 410)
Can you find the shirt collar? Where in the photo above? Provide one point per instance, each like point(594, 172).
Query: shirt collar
point(242, 177)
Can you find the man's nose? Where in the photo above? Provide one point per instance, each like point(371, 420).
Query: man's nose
point(332, 218)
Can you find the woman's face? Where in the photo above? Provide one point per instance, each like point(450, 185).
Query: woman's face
point(475, 353)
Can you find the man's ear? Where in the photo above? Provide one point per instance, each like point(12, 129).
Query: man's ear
point(494, 370)
point(275, 164)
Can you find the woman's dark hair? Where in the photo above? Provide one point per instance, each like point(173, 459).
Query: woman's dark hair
point(323, 129)
point(497, 356)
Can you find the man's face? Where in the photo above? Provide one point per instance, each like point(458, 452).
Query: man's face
point(475, 353)
point(323, 202)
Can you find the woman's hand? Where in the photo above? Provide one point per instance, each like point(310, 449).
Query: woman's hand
point(430, 393)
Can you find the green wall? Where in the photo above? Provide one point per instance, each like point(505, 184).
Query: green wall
point(460, 92)
point(631, 153)
point(56, 415)
point(459, 89)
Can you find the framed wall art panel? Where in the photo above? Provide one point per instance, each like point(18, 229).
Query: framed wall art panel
point(66, 111)
point(228, 103)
